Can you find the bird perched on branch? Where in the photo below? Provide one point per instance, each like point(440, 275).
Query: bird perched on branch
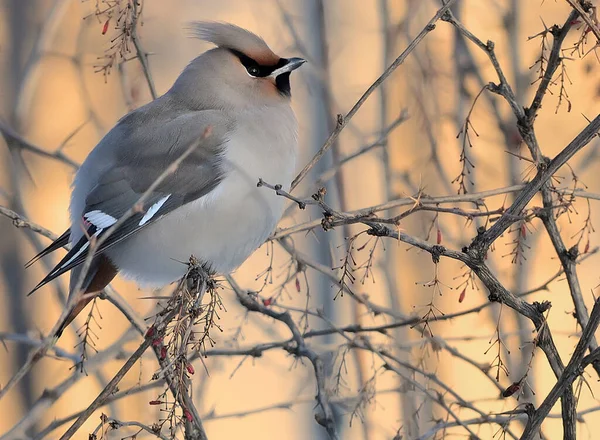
point(178, 176)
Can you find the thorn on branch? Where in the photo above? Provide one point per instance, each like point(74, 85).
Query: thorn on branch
point(495, 88)
point(543, 306)
point(436, 252)
point(378, 230)
point(494, 297)
point(543, 164)
point(529, 409)
point(573, 253)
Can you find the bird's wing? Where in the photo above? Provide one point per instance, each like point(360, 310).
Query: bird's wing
point(60, 242)
point(136, 167)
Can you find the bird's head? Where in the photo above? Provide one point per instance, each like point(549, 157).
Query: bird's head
point(241, 70)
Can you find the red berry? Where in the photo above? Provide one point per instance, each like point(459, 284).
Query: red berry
point(150, 331)
point(516, 386)
point(157, 342)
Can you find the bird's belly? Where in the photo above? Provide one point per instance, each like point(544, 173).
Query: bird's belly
point(224, 227)
point(221, 229)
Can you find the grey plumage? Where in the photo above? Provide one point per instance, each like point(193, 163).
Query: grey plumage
point(210, 207)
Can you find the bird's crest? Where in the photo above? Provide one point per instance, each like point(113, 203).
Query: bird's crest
point(234, 37)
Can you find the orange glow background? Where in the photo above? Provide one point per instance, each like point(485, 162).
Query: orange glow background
point(61, 91)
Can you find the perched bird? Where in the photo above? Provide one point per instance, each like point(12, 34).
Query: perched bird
point(233, 101)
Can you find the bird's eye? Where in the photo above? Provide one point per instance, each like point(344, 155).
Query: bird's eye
point(253, 71)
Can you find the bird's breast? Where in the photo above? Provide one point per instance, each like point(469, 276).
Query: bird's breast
point(225, 226)
point(263, 147)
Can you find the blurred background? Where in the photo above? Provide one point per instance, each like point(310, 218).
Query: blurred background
point(56, 93)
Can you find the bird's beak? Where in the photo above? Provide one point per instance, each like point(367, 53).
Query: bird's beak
point(292, 64)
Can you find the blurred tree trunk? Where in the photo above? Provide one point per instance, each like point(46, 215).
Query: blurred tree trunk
point(321, 124)
point(21, 25)
point(391, 266)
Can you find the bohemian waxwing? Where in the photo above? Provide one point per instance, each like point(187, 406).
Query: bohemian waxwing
point(232, 101)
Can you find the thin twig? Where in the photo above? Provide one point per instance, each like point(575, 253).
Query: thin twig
point(342, 121)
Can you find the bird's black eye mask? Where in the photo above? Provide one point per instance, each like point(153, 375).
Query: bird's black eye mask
point(255, 69)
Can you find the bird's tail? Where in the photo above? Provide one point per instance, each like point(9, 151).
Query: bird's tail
point(73, 314)
point(100, 273)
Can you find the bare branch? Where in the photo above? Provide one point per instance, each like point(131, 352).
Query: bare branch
point(342, 121)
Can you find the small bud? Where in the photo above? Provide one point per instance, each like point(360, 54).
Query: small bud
point(190, 369)
point(267, 302)
point(297, 284)
point(188, 415)
point(163, 353)
point(154, 402)
point(105, 27)
point(461, 297)
point(439, 236)
point(587, 247)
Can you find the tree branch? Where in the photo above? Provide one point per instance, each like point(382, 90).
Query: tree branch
point(342, 121)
